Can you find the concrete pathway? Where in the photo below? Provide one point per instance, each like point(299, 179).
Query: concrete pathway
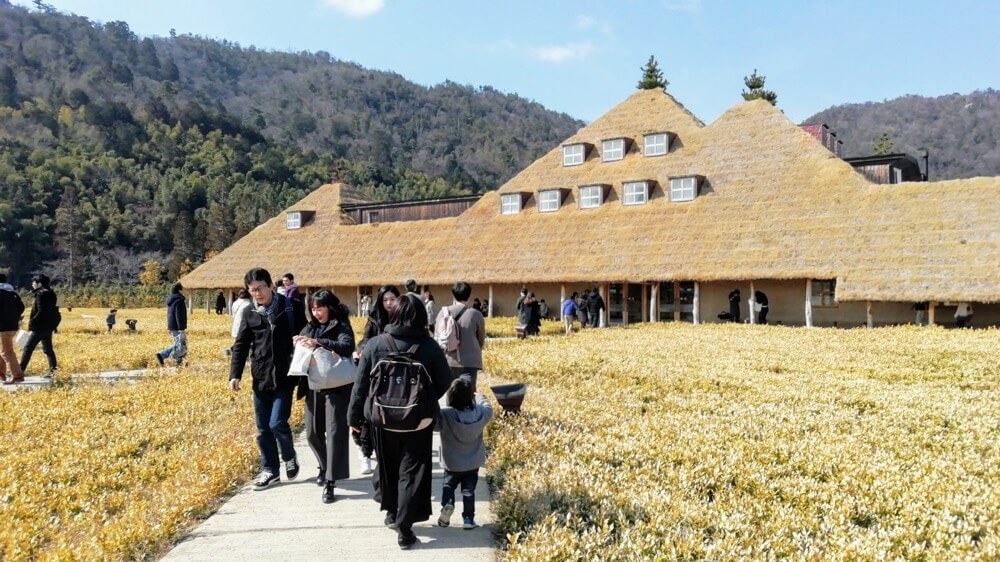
point(290, 522)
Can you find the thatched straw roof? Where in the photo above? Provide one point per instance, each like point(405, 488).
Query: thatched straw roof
point(774, 204)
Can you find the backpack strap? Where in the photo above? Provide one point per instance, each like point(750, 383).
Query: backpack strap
point(413, 349)
point(290, 314)
point(392, 343)
point(460, 313)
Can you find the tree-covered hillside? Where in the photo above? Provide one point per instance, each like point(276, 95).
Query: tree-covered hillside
point(117, 148)
point(961, 132)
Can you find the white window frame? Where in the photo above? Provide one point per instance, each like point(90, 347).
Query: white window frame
point(651, 145)
point(632, 190)
point(824, 292)
point(549, 200)
point(612, 150)
point(293, 220)
point(591, 196)
point(683, 189)
point(510, 204)
point(574, 154)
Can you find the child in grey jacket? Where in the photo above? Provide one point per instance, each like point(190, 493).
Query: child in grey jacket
point(461, 424)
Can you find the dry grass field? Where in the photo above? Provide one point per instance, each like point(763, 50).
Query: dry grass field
point(717, 442)
point(736, 442)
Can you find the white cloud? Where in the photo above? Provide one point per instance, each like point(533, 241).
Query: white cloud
point(356, 8)
point(584, 22)
point(587, 23)
point(562, 53)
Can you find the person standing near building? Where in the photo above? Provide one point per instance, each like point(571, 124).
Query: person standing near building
point(412, 287)
point(921, 309)
point(267, 337)
point(432, 309)
point(963, 315)
point(595, 304)
point(220, 303)
point(467, 360)
point(581, 309)
point(291, 289)
point(761, 306)
point(44, 320)
point(11, 309)
point(176, 325)
point(734, 306)
point(569, 313)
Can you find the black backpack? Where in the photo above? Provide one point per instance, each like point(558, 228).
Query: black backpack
point(399, 394)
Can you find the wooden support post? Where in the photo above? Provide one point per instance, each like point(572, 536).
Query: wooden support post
point(930, 313)
point(489, 309)
point(654, 303)
point(605, 294)
point(624, 304)
point(677, 301)
point(753, 305)
point(868, 312)
point(357, 294)
point(644, 306)
point(562, 298)
point(809, 304)
point(229, 302)
point(696, 311)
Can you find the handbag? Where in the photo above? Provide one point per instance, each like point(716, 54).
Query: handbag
point(301, 359)
point(21, 339)
point(330, 370)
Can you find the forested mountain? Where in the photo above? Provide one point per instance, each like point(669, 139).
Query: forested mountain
point(115, 148)
point(961, 132)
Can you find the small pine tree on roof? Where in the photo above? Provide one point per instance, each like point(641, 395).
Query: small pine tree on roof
point(883, 145)
point(755, 89)
point(652, 76)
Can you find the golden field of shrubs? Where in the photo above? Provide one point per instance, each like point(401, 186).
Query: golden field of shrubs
point(737, 442)
point(717, 442)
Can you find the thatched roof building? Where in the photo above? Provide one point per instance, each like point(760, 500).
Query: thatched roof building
point(760, 199)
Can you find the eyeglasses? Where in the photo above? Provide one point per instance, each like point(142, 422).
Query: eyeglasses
point(257, 289)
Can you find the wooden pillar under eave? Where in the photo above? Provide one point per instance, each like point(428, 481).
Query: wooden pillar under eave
point(868, 312)
point(654, 310)
point(696, 310)
point(604, 313)
point(489, 309)
point(229, 302)
point(562, 299)
point(357, 294)
point(644, 308)
point(809, 305)
point(624, 304)
point(753, 305)
point(930, 314)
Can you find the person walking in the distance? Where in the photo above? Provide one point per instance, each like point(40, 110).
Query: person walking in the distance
point(11, 309)
point(176, 325)
point(569, 313)
point(595, 306)
point(467, 360)
point(266, 335)
point(461, 424)
point(111, 319)
point(761, 306)
point(42, 323)
point(220, 303)
point(734, 306)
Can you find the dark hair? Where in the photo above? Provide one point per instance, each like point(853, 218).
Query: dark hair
point(113, 311)
point(409, 313)
point(379, 315)
point(338, 310)
point(288, 276)
point(3, 277)
point(243, 294)
point(176, 288)
point(430, 297)
point(460, 395)
point(574, 295)
point(257, 274)
point(411, 285)
point(42, 279)
point(462, 291)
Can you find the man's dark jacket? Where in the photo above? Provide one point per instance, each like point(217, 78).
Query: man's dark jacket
point(177, 315)
point(269, 339)
point(45, 312)
point(11, 309)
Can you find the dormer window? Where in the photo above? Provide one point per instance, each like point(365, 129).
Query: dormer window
point(591, 196)
point(295, 220)
point(549, 200)
point(683, 189)
point(656, 144)
point(574, 154)
point(635, 193)
point(510, 204)
point(613, 149)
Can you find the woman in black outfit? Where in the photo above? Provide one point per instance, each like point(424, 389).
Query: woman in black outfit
point(761, 299)
point(326, 410)
point(405, 465)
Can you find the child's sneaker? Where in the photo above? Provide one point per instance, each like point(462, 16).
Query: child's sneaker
point(445, 519)
point(468, 523)
point(366, 465)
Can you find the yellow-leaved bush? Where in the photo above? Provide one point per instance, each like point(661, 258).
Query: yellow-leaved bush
point(737, 442)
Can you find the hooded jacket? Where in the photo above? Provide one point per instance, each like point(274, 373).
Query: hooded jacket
point(11, 308)
point(268, 337)
point(45, 312)
point(177, 316)
point(462, 447)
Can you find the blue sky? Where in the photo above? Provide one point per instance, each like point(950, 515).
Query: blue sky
point(583, 57)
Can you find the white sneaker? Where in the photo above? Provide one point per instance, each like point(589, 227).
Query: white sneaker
point(445, 519)
point(366, 465)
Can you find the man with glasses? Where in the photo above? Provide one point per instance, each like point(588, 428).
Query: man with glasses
point(266, 333)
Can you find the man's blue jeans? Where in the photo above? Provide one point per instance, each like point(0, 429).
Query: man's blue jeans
point(272, 409)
